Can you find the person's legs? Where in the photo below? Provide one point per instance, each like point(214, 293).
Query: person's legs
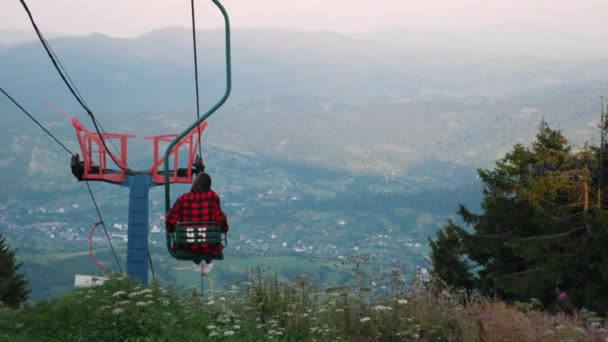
point(207, 266)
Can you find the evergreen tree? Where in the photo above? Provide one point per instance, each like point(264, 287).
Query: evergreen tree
point(13, 286)
point(541, 224)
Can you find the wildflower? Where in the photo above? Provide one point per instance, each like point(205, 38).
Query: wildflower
point(339, 310)
point(211, 327)
point(382, 308)
point(118, 293)
point(211, 302)
point(288, 314)
point(259, 326)
point(322, 310)
point(141, 304)
point(416, 336)
point(213, 333)
point(579, 330)
point(149, 302)
point(223, 299)
point(146, 291)
point(118, 311)
point(228, 333)
point(236, 327)
point(124, 302)
point(149, 296)
point(364, 319)
point(560, 327)
point(164, 302)
point(275, 332)
point(402, 301)
point(549, 333)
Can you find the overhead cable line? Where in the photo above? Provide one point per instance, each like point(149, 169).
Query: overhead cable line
point(35, 121)
point(151, 264)
point(71, 153)
point(103, 224)
point(68, 82)
point(198, 108)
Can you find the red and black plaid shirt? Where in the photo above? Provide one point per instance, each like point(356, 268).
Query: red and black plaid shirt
point(198, 207)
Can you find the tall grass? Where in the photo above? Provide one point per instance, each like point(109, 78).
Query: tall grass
point(266, 308)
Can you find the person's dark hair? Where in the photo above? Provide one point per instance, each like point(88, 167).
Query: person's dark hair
point(202, 183)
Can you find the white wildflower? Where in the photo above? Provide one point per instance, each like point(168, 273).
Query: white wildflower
point(146, 291)
point(382, 308)
point(223, 299)
point(149, 302)
point(236, 327)
point(402, 301)
point(149, 296)
point(260, 326)
point(213, 333)
point(339, 310)
point(228, 333)
point(118, 293)
point(211, 327)
point(211, 302)
point(141, 304)
point(364, 319)
point(322, 310)
point(549, 333)
point(124, 302)
point(118, 311)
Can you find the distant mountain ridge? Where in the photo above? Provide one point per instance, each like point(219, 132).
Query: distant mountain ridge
point(315, 97)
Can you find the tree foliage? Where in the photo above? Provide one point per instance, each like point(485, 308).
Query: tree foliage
point(543, 223)
point(13, 285)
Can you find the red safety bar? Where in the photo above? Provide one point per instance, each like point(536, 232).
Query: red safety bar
point(191, 141)
point(101, 266)
point(95, 154)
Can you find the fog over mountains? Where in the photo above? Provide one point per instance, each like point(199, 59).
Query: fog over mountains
point(385, 102)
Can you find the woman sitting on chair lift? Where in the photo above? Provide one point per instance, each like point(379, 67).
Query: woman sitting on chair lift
point(201, 204)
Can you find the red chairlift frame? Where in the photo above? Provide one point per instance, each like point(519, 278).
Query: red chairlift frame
point(191, 140)
point(96, 169)
point(95, 155)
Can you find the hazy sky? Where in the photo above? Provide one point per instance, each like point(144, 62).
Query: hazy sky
point(133, 17)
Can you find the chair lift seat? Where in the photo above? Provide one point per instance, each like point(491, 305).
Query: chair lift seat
point(195, 233)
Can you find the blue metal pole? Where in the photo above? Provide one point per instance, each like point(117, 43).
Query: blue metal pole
point(137, 246)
